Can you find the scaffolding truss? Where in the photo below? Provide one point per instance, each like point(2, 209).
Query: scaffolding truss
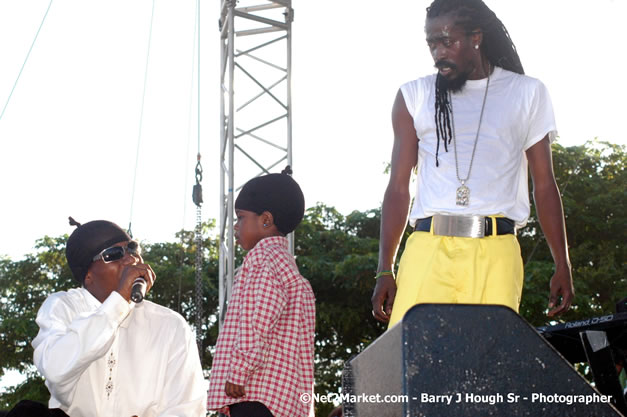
point(255, 123)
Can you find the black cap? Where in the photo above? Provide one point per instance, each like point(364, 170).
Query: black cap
point(278, 194)
point(87, 241)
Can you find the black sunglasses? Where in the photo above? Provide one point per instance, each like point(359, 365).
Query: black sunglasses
point(115, 253)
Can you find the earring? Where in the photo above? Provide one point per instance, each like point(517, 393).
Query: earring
point(476, 46)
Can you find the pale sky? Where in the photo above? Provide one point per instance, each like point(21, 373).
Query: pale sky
point(68, 138)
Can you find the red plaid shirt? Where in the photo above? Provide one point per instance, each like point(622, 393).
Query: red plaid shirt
point(267, 340)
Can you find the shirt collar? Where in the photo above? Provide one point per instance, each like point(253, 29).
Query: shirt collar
point(260, 246)
point(90, 299)
point(272, 241)
point(482, 83)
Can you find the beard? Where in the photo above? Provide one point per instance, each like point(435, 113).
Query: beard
point(454, 84)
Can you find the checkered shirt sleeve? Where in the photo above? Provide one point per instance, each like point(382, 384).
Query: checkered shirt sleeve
point(267, 340)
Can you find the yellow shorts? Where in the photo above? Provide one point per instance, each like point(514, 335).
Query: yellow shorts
point(458, 270)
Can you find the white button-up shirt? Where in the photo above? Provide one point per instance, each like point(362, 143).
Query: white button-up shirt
point(117, 359)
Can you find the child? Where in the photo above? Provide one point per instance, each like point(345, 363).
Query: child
point(263, 365)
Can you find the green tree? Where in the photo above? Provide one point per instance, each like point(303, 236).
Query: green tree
point(592, 180)
point(338, 255)
point(174, 264)
point(24, 285)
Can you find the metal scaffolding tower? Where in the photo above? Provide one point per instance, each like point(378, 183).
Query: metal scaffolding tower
point(255, 123)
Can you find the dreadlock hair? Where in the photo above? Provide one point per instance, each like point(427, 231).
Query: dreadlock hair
point(497, 46)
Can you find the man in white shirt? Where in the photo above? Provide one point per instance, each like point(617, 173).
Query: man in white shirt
point(102, 354)
point(470, 132)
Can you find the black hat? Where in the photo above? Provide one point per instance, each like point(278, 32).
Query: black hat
point(278, 194)
point(87, 241)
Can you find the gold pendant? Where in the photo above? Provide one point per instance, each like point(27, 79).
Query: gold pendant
point(463, 196)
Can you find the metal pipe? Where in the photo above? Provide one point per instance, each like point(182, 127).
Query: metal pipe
point(257, 31)
point(247, 51)
point(230, 208)
point(260, 19)
point(260, 7)
point(261, 125)
point(263, 61)
point(261, 86)
point(289, 17)
point(261, 94)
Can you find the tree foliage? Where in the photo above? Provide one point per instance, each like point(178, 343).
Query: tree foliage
point(592, 182)
point(174, 264)
point(24, 285)
point(338, 254)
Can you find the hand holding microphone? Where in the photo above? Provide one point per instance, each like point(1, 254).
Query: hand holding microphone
point(138, 291)
point(135, 281)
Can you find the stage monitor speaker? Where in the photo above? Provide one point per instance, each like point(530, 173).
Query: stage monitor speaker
point(466, 360)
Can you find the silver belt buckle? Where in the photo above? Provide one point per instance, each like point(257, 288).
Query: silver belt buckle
point(458, 226)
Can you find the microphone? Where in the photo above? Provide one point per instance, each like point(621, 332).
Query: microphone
point(138, 291)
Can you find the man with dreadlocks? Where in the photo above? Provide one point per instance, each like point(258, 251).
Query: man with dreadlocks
point(491, 121)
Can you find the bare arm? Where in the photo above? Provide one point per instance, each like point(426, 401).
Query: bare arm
point(551, 216)
point(395, 206)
